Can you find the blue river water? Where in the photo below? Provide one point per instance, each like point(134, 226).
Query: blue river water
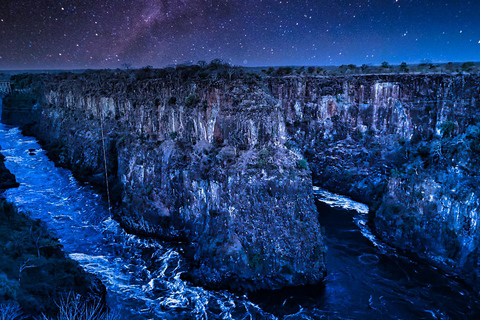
point(366, 279)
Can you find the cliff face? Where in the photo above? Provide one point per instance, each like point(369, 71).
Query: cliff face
point(220, 164)
point(201, 163)
point(407, 145)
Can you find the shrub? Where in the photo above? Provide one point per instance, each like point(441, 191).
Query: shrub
point(10, 311)
point(173, 135)
point(8, 288)
point(467, 66)
point(447, 129)
point(73, 307)
point(191, 100)
point(302, 164)
point(404, 67)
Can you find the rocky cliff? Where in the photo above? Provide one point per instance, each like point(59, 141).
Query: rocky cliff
point(406, 145)
point(228, 164)
point(198, 162)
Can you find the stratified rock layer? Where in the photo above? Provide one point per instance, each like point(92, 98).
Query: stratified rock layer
point(198, 162)
point(219, 162)
point(406, 145)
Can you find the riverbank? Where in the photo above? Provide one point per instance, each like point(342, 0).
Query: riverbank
point(35, 274)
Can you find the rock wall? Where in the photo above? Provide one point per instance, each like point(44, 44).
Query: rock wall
point(406, 145)
point(219, 163)
point(198, 162)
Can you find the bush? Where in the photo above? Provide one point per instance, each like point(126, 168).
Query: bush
point(447, 129)
point(10, 311)
point(72, 307)
point(302, 164)
point(8, 288)
point(467, 66)
point(34, 270)
point(191, 100)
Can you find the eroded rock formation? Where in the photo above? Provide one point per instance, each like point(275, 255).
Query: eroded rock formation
point(199, 163)
point(220, 163)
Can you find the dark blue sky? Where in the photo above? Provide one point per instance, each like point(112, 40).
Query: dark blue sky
point(106, 34)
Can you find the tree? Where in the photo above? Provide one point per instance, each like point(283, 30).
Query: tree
point(450, 67)
point(202, 64)
point(364, 68)
point(270, 70)
point(385, 65)
point(404, 67)
point(467, 66)
point(231, 71)
point(126, 66)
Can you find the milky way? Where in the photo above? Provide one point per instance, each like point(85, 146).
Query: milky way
point(108, 34)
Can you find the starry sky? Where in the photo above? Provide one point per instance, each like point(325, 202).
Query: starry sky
point(70, 34)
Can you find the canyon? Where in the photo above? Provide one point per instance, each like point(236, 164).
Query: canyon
point(226, 166)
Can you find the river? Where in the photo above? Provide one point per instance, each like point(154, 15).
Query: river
point(366, 279)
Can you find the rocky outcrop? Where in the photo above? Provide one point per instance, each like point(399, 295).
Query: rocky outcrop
point(406, 145)
point(198, 162)
point(7, 179)
point(220, 163)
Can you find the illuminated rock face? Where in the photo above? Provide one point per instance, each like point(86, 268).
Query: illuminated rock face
point(199, 163)
point(222, 165)
point(406, 145)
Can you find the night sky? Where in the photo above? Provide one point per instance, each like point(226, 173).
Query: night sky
point(46, 34)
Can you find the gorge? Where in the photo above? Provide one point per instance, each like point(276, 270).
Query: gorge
point(225, 166)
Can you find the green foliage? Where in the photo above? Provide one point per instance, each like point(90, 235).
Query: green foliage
point(8, 288)
point(191, 100)
point(202, 64)
point(173, 135)
point(425, 66)
point(403, 67)
point(218, 64)
point(395, 173)
point(467, 66)
point(256, 261)
point(473, 135)
point(284, 71)
point(447, 129)
point(347, 68)
point(302, 164)
point(270, 71)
